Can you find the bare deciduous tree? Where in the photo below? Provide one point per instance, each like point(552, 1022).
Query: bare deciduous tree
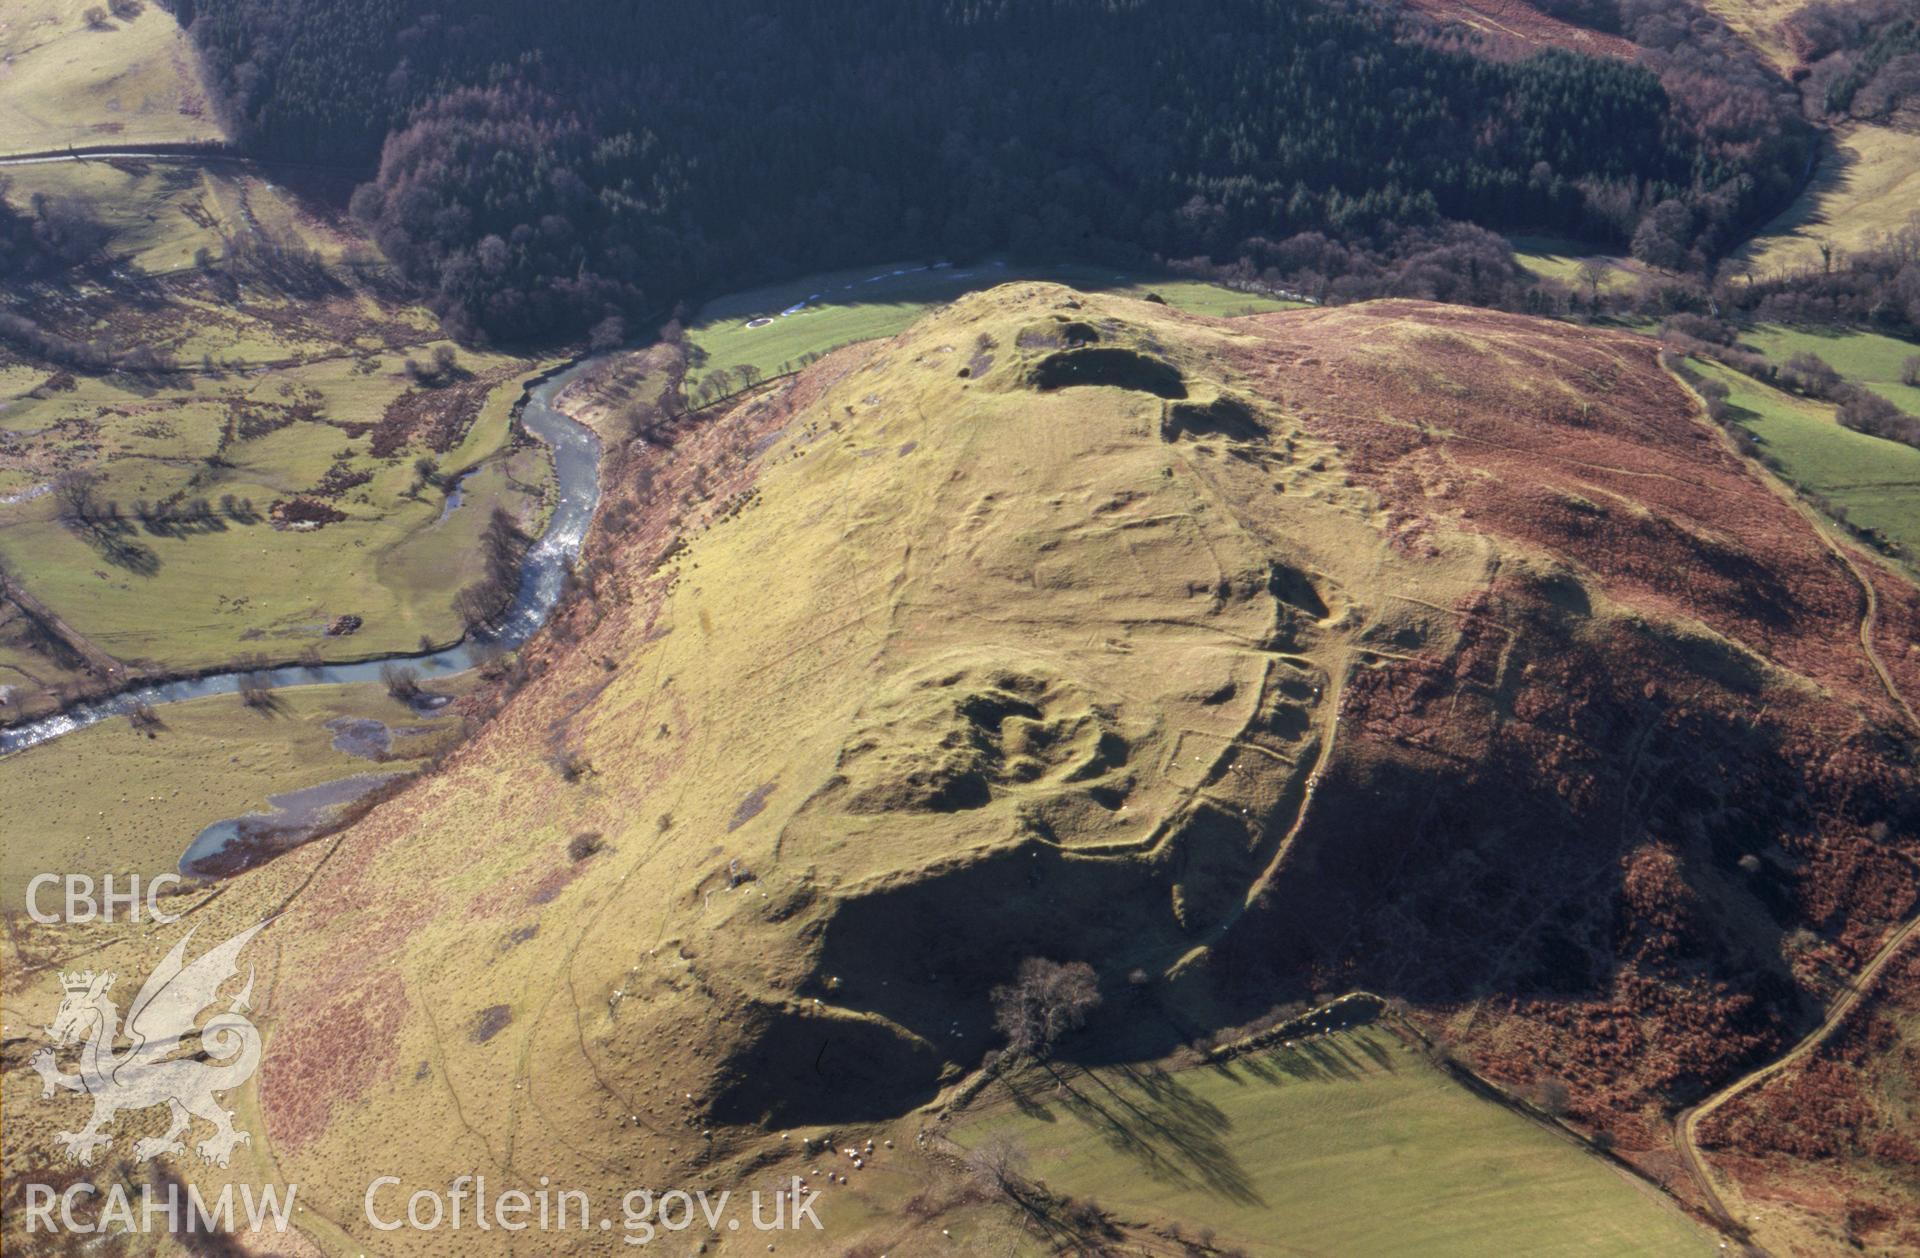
point(998, 1163)
point(256, 689)
point(74, 492)
point(401, 682)
point(1046, 1000)
point(476, 606)
point(1592, 274)
point(608, 333)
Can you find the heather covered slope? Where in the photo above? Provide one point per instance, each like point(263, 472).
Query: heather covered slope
point(1444, 653)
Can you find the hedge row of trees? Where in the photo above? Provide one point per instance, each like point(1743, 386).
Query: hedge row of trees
point(1877, 286)
point(544, 166)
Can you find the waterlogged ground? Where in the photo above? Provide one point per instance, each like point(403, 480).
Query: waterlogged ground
point(112, 800)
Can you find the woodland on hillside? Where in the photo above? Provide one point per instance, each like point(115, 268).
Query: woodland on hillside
point(540, 169)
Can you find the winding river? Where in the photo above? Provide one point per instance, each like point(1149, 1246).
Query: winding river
point(576, 465)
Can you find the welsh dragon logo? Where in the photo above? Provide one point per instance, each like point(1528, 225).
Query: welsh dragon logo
point(152, 1070)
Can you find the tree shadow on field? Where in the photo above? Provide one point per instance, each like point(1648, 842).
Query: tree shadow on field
point(1175, 1135)
point(1382, 1059)
point(266, 704)
point(1830, 180)
point(115, 546)
point(1029, 1101)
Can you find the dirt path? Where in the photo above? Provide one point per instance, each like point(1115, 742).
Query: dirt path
point(1686, 1125)
point(193, 153)
point(1867, 619)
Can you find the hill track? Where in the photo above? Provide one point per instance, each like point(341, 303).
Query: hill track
point(1686, 1124)
point(1870, 609)
point(1867, 621)
point(193, 154)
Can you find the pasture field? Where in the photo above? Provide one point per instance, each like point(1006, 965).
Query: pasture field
point(1866, 358)
point(825, 311)
point(129, 80)
point(110, 800)
point(221, 267)
point(202, 593)
point(160, 213)
point(291, 382)
point(29, 679)
point(1876, 481)
point(1344, 1143)
point(1866, 188)
point(157, 214)
point(1554, 259)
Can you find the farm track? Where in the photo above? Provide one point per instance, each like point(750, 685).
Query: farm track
point(193, 154)
point(1867, 620)
point(1686, 1124)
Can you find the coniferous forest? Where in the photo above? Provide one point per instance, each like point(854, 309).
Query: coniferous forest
point(540, 167)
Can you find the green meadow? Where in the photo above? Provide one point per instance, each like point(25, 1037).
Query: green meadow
point(1552, 258)
point(1344, 1143)
point(1866, 358)
point(1877, 482)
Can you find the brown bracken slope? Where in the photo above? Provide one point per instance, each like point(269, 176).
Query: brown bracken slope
point(1637, 799)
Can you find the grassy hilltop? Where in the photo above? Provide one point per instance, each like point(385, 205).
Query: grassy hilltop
point(1229, 656)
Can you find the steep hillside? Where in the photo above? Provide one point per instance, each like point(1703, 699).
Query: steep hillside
point(76, 73)
point(1443, 653)
point(1864, 192)
point(695, 147)
point(1634, 804)
point(1824, 1151)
